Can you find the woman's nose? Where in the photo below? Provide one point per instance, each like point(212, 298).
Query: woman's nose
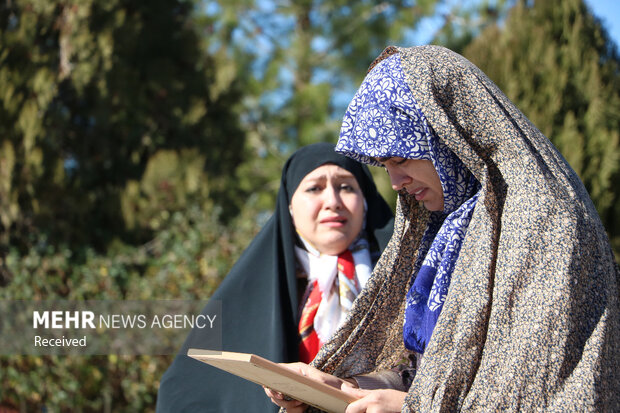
point(398, 180)
point(332, 197)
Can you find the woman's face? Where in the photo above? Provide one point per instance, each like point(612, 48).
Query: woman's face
point(418, 177)
point(328, 209)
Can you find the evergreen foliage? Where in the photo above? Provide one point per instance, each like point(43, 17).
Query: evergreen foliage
point(185, 260)
point(464, 21)
point(304, 61)
point(91, 92)
point(556, 62)
point(119, 141)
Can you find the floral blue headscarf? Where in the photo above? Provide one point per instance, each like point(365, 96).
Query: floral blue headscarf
point(384, 120)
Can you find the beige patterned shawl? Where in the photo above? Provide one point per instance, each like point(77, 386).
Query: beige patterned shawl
point(531, 321)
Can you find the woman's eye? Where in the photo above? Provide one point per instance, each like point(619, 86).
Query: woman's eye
point(402, 161)
point(313, 189)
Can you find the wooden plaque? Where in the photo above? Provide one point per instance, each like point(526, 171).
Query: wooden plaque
point(267, 373)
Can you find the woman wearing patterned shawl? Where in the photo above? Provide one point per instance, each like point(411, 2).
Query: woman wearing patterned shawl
point(499, 277)
point(298, 278)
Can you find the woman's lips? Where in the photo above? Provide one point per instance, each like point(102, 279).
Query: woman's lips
point(419, 193)
point(334, 221)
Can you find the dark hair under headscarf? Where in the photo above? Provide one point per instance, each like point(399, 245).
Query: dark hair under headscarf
point(259, 298)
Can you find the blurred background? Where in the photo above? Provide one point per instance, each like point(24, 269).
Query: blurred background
point(141, 141)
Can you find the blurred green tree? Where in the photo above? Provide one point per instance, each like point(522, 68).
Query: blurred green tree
point(460, 22)
point(91, 93)
point(119, 143)
point(304, 61)
point(185, 260)
point(555, 60)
